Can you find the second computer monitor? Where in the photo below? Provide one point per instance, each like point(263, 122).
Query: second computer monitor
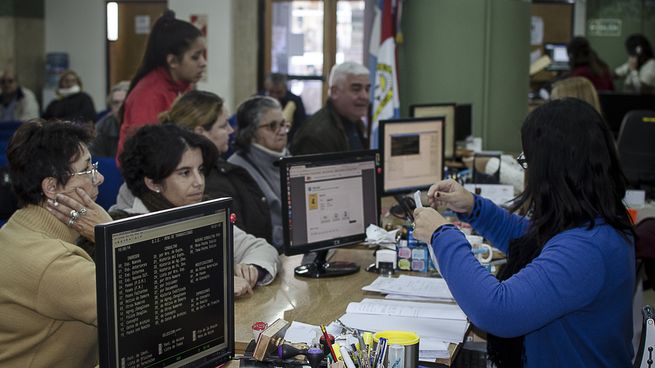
point(412, 153)
point(446, 110)
point(328, 200)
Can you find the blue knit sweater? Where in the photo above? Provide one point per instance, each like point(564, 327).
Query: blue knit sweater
point(573, 302)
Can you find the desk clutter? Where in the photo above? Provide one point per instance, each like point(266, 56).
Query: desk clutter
point(373, 332)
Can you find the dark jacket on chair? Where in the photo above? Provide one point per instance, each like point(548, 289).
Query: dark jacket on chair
point(249, 202)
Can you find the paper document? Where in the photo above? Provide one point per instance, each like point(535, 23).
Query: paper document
point(407, 309)
point(431, 287)
point(415, 298)
point(447, 330)
point(302, 332)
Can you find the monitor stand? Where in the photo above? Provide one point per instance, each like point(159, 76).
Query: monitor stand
point(320, 268)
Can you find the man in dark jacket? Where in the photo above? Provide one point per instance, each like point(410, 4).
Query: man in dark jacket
point(338, 126)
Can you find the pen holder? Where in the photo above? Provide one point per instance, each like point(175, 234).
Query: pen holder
point(408, 340)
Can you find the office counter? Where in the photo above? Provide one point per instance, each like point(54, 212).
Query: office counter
point(313, 301)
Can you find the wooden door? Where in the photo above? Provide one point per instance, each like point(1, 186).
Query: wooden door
point(135, 19)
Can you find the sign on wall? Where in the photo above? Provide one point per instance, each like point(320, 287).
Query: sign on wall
point(604, 27)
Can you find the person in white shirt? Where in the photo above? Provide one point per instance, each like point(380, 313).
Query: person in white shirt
point(639, 70)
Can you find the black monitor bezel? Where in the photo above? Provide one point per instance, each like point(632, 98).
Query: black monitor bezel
point(104, 261)
point(458, 122)
point(290, 250)
point(381, 145)
point(412, 114)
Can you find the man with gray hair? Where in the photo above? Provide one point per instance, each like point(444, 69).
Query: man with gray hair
point(338, 126)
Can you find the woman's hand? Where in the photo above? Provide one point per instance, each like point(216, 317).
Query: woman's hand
point(241, 287)
point(82, 217)
point(452, 194)
point(248, 272)
point(426, 221)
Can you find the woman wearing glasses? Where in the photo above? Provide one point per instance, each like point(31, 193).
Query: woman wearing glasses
point(205, 113)
point(261, 141)
point(565, 295)
point(47, 283)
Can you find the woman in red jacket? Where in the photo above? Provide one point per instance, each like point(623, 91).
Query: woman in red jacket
point(174, 59)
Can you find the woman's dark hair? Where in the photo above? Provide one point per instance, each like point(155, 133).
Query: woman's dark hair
point(39, 150)
point(637, 45)
point(154, 151)
point(574, 179)
point(581, 54)
point(249, 115)
point(169, 36)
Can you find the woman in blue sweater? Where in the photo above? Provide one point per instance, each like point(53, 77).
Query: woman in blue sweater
point(565, 297)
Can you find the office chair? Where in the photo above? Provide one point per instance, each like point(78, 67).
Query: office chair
point(646, 354)
point(7, 129)
point(636, 148)
point(113, 181)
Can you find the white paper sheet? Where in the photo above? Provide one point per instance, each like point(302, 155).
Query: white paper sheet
point(447, 330)
point(302, 332)
point(431, 287)
point(407, 309)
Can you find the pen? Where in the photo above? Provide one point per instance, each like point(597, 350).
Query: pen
point(329, 344)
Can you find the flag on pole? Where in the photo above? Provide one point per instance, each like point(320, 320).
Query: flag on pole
point(384, 77)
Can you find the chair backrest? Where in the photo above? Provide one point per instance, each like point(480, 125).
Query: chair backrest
point(636, 146)
point(616, 105)
point(113, 180)
point(646, 354)
point(7, 129)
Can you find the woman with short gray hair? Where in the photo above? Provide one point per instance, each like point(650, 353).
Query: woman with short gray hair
point(261, 140)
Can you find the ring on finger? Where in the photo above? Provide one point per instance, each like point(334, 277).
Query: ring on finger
point(74, 215)
point(82, 211)
point(71, 222)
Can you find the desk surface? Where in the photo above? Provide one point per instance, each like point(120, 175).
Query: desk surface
point(313, 301)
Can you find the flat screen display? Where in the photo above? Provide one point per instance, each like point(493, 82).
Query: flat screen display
point(165, 289)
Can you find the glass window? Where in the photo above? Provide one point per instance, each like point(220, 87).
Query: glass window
point(350, 31)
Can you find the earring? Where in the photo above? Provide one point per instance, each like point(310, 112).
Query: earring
point(157, 190)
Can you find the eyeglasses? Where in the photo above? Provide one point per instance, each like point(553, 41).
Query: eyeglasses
point(93, 172)
point(274, 126)
point(522, 161)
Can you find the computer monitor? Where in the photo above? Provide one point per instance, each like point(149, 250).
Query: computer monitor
point(165, 288)
point(463, 121)
point(559, 56)
point(412, 151)
point(328, 200)
point(447, 110)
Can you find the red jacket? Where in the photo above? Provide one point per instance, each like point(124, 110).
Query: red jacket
point(602, 82)
point(152, 95)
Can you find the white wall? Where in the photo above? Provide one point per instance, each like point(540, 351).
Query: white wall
point(219, 43)
point(78, 28)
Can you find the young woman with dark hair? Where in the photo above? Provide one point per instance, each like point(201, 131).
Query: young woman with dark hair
point(164, 166)
point(585, 62)
point(174, 59)
point(639, 70)
point(564, 298)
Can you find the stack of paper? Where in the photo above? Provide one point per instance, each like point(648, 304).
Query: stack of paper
point(437, 324)
point(412, 288)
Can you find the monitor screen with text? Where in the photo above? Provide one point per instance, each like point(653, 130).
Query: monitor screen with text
point(164, 283)
point(412, 153)
point(329, 199)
